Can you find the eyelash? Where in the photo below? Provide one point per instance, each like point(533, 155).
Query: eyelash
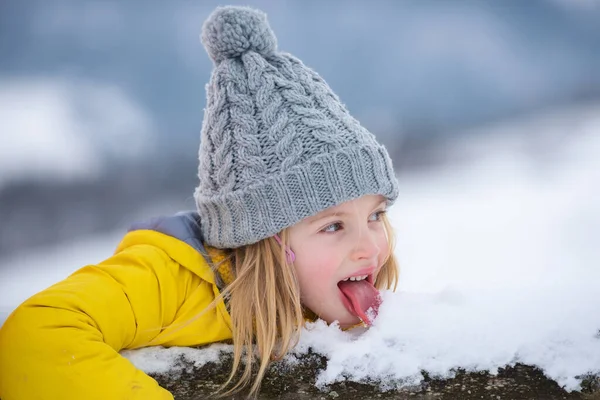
point(378, 214)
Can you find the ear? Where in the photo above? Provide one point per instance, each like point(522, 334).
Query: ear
point(290, 255)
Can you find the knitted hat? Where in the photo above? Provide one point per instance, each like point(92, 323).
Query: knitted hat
point(277, 145)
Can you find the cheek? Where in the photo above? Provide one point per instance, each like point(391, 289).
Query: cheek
point(323, 275)
point(316, 267)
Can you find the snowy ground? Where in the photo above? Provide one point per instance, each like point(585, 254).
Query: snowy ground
point(500, 264)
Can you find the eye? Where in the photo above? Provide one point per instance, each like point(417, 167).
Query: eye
point(376, 216)
point(336, 226)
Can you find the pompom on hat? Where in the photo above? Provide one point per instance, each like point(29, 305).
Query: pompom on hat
point(232, 31)
point(277, 145)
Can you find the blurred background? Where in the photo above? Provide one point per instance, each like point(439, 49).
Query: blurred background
point(101, 105)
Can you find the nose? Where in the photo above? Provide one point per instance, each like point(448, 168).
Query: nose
point(366, 246)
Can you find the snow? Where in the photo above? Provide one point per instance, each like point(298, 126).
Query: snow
point(169, 360)
point(477, 329)
point(499, 264)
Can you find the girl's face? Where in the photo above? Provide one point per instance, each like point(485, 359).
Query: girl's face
point(348, 240)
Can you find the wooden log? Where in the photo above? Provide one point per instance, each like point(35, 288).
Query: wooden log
point(297, 382)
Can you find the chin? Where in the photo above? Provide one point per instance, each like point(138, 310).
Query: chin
point(350, 324)
point(347, 321)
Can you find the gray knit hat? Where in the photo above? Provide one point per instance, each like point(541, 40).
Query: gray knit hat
point(277, 145)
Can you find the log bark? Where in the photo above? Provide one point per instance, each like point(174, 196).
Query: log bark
point(519, 382)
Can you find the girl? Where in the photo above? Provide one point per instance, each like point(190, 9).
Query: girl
point(290, 225)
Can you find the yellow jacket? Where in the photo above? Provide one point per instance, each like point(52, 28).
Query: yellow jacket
point(63, 342)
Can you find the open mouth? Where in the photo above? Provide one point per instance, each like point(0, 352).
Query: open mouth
point(360, 297)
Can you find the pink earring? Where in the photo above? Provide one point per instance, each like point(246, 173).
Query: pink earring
point(290, 255)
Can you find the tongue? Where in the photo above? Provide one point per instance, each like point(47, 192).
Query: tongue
point(363, 297)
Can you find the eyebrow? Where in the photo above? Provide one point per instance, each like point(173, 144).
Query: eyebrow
point(318, 217)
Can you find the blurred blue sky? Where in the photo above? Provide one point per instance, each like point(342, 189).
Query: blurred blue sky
point(403, 67)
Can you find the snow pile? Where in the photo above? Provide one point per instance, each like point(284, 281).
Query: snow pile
point(552, 327)
point(160, 360)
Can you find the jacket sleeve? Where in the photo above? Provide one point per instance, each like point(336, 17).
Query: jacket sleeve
point(64, 342)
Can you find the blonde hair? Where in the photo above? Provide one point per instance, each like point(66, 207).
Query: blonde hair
point(264, 303)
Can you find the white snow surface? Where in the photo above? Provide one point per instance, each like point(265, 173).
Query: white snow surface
point(174, 359)
point(499, 264)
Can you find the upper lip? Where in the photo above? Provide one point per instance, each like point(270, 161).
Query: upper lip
point(362, 272)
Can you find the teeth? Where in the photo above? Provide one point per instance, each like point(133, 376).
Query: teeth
point(357, 278)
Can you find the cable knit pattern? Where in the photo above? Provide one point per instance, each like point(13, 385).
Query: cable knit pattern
point(277, 145)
